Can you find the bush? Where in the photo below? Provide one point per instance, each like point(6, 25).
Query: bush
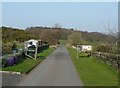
point(7, 47)
point(104, 48)
point(43, 47)
point(6, 59)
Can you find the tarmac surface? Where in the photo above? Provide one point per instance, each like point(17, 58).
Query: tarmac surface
point(56, 70)
point(9, 79)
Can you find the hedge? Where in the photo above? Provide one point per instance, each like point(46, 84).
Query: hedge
point(43, 47)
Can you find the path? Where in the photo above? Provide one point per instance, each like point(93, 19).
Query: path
point(56, 70)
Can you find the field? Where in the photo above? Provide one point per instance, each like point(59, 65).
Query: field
point(93, 72)
point(27, 64)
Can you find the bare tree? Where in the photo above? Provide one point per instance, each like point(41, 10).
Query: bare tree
point(57, 25)
point(112, 30)
point(50, 36)
point(75, 39)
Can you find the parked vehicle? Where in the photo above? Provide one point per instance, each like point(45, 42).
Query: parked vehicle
point(84, 48)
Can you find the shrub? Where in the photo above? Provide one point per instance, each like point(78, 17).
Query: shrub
point(104, 48)
point(7, 47)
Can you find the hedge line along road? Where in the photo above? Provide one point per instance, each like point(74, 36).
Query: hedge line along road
point(56, 70)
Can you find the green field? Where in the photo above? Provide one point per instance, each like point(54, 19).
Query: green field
point(93, 72)
point(27, 64)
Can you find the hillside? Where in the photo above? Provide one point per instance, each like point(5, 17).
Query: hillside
point(53, 36)
point(64, 33)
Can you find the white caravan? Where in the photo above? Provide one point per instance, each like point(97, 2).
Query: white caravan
point(84, 47)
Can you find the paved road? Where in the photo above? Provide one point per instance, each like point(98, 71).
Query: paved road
point(56, 70)
point(9, 79)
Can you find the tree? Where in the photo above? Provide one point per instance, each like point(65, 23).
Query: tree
point(112, 30)
point(75, 39)
point(57, 25)
point(112, 33)
point(104, 48)
point(50, 36)
point(13, 34)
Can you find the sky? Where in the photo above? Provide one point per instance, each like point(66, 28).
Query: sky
point(85, 16)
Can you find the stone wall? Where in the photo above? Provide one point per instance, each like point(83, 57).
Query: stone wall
point(111, 59)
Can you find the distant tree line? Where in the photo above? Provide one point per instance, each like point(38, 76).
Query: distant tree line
point(52, 35)
point(13, 34)
point(63, 34)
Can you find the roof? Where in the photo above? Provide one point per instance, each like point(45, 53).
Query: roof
point(32, 40)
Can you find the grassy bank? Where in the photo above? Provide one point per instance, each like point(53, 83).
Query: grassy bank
point(27, 64)
point(92, 72)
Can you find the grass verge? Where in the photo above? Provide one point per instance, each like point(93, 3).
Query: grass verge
point(93, 72)
point(26, 65)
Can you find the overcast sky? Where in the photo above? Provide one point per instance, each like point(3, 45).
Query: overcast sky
point(86, 16)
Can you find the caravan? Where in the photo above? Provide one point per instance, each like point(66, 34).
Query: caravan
point(84, 48)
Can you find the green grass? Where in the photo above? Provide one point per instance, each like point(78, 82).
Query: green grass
point(93, 72)
point(23, 67)
point(62, 42)
point(26, 65)
point(45, 53)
